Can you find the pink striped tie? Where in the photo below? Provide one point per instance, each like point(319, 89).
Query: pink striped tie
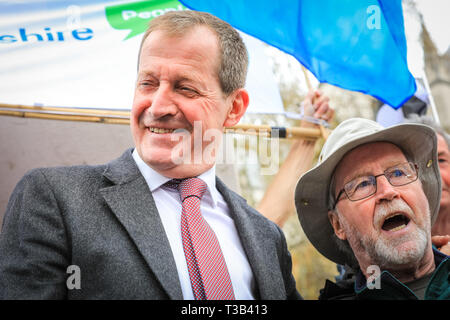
point(207, 269)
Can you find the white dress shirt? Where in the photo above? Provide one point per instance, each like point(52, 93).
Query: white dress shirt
point(216, 213)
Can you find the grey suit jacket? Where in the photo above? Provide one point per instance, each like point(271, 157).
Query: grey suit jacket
point(103, 219)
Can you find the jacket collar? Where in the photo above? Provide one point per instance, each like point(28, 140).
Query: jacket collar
point(122, 169)
point(261, 255)
point(393, 289)
point(131, 201)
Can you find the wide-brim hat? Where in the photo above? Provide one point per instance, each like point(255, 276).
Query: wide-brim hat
point(419, 144)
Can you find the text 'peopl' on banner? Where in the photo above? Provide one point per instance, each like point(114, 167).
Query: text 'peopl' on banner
point(83, 54)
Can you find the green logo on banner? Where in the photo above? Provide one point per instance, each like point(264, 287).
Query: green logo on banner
point(134, 16)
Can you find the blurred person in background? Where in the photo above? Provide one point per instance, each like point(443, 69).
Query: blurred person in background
point(442, 225)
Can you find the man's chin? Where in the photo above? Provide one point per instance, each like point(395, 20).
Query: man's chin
point(401, 251)
point(167, 167)
point(182, 171)
point(156, 158)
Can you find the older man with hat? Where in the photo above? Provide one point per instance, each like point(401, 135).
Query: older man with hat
point(370, 203)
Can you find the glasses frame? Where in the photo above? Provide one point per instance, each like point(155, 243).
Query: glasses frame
point(414, 165)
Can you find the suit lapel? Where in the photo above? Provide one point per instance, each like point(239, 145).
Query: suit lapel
point(131, 201)
point(261, 253)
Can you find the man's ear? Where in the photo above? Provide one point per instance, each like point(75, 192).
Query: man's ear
point(337, 226)
point(239, 104)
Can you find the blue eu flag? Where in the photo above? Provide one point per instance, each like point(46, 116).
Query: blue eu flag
point(357, 45)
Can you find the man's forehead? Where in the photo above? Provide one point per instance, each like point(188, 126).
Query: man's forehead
point(198, 44)
point(201, 33)
point(368, 157)
point(442, 145)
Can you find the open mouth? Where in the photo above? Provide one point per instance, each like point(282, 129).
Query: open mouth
point(161, 130)
point(395, 222)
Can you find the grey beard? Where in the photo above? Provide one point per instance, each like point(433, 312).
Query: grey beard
point(385, 252)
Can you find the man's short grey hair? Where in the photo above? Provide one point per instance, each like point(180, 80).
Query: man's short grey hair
point(233, 59)
point(428, 121)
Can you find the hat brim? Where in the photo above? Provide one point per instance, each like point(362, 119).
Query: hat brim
point(418, 142)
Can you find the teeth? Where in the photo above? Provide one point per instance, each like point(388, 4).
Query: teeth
point(395, 223)
point(398, 228)
point(161, 130)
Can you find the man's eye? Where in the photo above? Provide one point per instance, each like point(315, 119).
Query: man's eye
point(398, 173)
point(147, 83)
point(188, 91)
point(363, 184)
point(357, 185)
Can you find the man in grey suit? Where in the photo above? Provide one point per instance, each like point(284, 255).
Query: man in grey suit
point(113, 231)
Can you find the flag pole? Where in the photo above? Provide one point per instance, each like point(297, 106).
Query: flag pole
point(323, 131)
point(276, 203)
point(308, 82)
point(430, 95)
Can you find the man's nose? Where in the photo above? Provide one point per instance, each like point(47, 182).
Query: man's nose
point(162, 103)
point(385, 190)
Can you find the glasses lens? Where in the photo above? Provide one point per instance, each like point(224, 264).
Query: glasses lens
point(401, 174)
point(398, 175)
point(360, 187)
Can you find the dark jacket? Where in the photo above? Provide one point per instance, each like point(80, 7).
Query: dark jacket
point(354, 287)
point(103, 219)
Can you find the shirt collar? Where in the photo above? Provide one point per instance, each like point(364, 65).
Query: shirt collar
point(155, 180)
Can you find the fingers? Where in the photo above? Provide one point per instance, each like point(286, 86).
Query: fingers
point(445, 249)
point(307, 104)
point(321, 106)
point(320, 102)
point(329, 115)
point(440, 241)
point(310, 96)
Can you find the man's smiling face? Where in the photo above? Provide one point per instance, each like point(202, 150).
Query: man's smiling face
point(177, 88)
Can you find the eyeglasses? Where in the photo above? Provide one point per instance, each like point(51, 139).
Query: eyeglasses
point(365, 186)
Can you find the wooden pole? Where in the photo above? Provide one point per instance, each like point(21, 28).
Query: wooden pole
point(68, 110)
point(308, 82)
point(123, 117)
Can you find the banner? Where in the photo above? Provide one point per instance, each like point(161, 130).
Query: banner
point(358, 45)
point(83, 54)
